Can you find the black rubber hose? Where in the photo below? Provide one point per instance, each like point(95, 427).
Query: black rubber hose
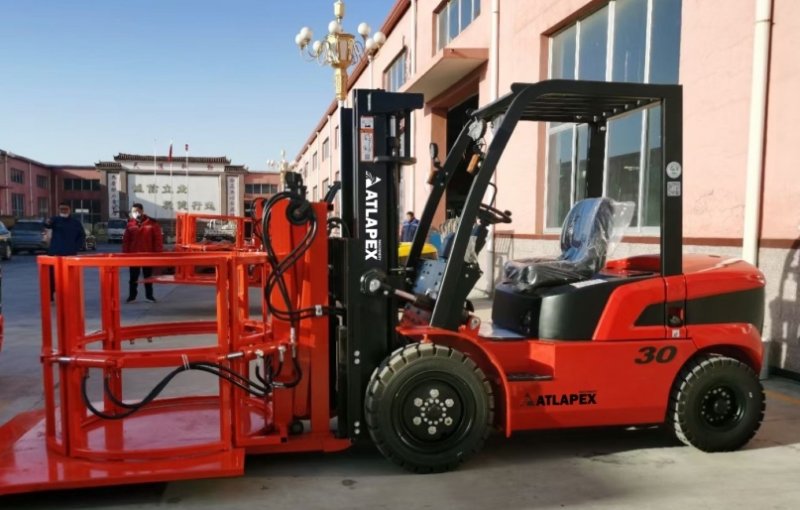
point(212, 368)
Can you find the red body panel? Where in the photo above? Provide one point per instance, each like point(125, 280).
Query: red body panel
point(624, 373)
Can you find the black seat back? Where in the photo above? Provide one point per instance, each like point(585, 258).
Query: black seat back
point(586, 233)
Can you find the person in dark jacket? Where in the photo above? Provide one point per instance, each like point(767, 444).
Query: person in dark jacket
point(142, 235)
point(67, 238)
point(410, 225)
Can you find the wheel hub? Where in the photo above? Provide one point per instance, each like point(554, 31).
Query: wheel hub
point(720, 407)
point(432, 412)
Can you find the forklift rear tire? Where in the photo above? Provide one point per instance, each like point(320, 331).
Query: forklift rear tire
point(429, 408)
point(717, 403)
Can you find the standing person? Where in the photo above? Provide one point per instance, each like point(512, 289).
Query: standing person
point(142, 235)
point(410, 225)
point(67, 238)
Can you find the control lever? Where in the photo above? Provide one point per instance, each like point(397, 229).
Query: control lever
point(373, 283)
point(474, 160)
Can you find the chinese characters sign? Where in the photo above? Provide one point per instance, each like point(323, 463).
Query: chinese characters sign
point(233, 196)
point(163, 196)
point(113, 195)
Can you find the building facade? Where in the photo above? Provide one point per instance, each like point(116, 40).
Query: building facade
point(25, 187)
point(259, 185)
point(80, 187)
point(165, 186)
point(462, 54)
point(206, 185)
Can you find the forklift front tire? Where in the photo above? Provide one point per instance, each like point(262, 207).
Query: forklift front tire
point(429, 408)
point(717, 403)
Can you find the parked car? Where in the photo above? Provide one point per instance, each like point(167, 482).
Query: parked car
point(30, 235)
point(5, 242)
point(115, 230)
point(90, 242)
point(220, 230)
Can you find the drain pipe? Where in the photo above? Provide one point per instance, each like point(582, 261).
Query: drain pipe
point(756, 136)
point(494, 93)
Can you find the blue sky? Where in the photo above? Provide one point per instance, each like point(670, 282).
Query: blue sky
point(82, 80)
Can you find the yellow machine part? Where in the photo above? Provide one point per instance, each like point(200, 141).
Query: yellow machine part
point(428, 251)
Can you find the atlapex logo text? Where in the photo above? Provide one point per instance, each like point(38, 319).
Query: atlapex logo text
point(565, 399)
point(372, 246)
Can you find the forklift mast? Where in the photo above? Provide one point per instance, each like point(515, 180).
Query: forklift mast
point(375, 145)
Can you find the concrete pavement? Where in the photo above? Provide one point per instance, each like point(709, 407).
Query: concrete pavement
point(605, 468)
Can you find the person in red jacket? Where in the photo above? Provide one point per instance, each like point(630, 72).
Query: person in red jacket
point(142, 235)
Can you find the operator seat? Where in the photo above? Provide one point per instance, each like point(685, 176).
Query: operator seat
point(540, 298)
point(585, 236)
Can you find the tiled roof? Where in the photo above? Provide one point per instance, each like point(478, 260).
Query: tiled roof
point(176, 158)
point(107, 165)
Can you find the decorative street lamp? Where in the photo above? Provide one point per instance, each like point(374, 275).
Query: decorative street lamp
point(339, 49)
point(281, 166)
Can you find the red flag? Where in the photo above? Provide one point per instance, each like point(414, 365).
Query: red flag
point(169, 157)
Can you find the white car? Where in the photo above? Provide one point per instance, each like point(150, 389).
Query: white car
point(115, 230)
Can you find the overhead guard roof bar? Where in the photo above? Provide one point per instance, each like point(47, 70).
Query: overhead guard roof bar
point(577, 101)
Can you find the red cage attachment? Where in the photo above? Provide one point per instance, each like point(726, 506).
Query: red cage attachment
point(69, 445)
point(210, 233)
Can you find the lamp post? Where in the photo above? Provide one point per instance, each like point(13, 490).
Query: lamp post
point(339, 49)
point(281, 167)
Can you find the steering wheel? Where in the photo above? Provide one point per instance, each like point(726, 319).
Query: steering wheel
point(492, 215)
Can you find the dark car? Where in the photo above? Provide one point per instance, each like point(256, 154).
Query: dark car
point(5, 242)
point(90, 242)
point(30, 235)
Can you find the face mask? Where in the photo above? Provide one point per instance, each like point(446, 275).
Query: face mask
point(64, 215)
point(135, 215)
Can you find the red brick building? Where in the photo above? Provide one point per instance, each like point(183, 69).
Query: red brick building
point(82, 189)
point(259, 184)
point(25, 186)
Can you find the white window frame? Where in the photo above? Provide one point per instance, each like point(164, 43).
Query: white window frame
point(611, 27)
point(388, 74)
point(446, 6)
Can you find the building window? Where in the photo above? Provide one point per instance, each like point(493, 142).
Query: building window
point(336, 137)
point(314, 195)
point(324, 187)
point(18, 204)
point(314, 162)
point(81, 185)
point(619, 42)
point(17, 176)
point(87, 211)
point(260, 188)
point(43, 204)
point(455, 16)
point(43, 182)
point(326, 149)
point(395, 75)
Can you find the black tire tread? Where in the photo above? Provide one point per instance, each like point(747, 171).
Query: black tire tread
point(688, 376)
point(384, 373)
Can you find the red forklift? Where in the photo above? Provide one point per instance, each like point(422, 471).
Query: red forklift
point(351, 344)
